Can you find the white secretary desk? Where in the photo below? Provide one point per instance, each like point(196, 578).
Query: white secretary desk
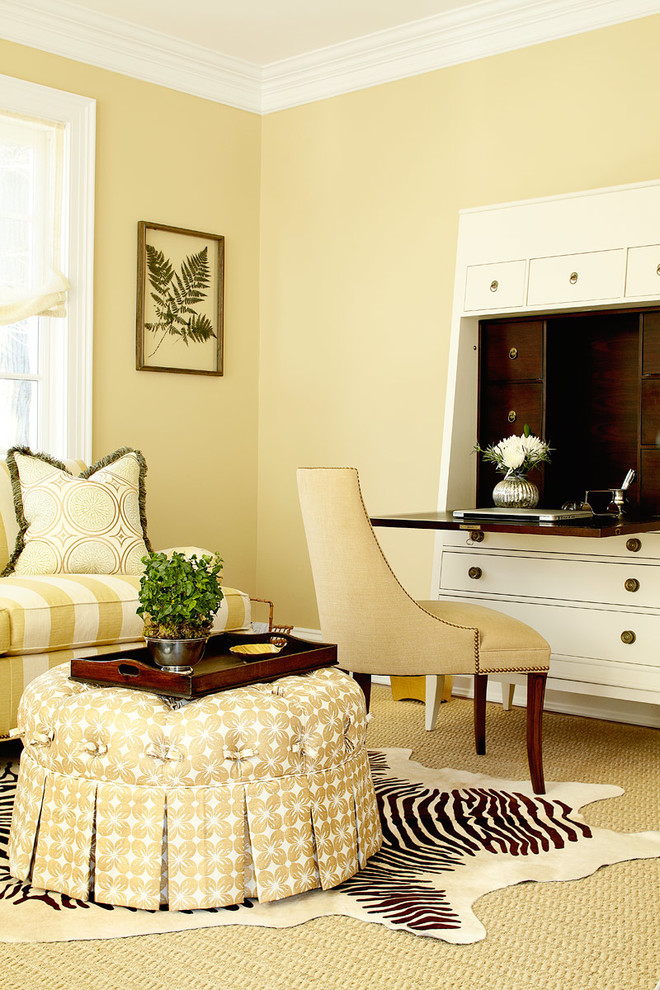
point(585, 253)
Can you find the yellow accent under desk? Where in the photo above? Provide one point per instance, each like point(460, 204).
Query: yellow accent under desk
point(404, 688)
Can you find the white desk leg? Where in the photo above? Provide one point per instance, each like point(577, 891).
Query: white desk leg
point(435, 686)
point(508, 689)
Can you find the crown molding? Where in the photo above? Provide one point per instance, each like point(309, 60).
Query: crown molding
point(107, 42)
point(488, 27)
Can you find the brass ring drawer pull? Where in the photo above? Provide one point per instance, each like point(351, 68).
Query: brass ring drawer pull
point(513, 353)
point(494, 285)
point(512, 415)
point(573, 277)
point(631, 584)
point(634, 545)
point(657, 271)
point(628, 637)
point(475, 573)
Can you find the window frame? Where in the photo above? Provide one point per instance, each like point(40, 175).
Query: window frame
point(78, 115)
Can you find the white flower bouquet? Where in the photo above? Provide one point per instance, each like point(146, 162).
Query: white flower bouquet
point(516, 455)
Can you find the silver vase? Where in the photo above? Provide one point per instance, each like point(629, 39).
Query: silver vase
point(515, 492)
point(178, 656)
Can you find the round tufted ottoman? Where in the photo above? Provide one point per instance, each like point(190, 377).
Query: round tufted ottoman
point(139, 800)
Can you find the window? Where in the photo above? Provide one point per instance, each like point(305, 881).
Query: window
point(46, 248)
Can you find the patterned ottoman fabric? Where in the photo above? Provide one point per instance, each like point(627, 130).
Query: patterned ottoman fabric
point(140, 800)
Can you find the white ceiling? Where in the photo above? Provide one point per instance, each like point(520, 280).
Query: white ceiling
point(265, 31)
point(269, 55)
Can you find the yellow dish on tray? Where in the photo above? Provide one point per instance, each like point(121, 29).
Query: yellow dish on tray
point(255, 649)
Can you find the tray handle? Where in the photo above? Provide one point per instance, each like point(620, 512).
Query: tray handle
point(127, 670)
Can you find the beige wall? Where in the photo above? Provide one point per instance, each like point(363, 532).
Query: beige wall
point(198, 434)
point(360, 196)
point(358, 199)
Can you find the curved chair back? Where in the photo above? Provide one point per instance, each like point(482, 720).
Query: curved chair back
point(377, 626)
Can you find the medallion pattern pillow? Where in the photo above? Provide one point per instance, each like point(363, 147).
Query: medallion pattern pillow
point(92, 524)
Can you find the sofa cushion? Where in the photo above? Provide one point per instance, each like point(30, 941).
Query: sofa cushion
point(92, 524)
point(60, 612)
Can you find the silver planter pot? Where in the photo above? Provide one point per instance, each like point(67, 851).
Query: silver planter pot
point(515, 492)
point(176, 655)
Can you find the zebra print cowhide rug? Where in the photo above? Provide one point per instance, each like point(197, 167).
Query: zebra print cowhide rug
point(450, 837)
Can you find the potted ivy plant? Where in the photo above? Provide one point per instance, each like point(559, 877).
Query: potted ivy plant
point(178, 599)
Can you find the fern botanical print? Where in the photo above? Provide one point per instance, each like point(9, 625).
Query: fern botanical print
point(180, 300)
point(176, 294)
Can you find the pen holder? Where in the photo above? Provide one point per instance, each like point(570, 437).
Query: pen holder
point(616, 502)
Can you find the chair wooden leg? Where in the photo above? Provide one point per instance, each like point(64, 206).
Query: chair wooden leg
point(480, 689)
point(535, 695)
point(364, 680)
point(435, 688)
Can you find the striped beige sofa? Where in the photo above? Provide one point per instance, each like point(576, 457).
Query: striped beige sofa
point(47, 620)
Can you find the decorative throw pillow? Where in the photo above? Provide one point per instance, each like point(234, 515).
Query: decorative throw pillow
point(92, 524)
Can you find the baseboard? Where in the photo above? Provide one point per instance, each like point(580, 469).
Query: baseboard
point(587, 706)
point(312, 634)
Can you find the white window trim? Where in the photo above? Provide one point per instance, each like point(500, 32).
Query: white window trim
point(78, 113)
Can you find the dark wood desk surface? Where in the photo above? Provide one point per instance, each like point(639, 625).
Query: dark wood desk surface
point(599, 526)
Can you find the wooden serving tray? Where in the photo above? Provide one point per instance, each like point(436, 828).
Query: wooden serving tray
point(219, 669)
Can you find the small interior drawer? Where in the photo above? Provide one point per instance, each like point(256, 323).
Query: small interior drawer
point(512, 351)
point(493, 287)
point(643, 271)
point(651, 411)
point(649, 489)
point(575, 278)
point(651, 346)
point(506, 407)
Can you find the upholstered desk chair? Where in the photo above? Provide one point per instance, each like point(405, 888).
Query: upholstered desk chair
point(380, 629)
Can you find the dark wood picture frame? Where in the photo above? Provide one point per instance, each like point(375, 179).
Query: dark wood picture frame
point(180, 300)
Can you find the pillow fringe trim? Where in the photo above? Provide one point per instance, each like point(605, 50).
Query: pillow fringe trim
point(18, 499)
point(142, 492)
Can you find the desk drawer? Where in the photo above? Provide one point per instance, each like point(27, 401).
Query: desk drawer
point(594, 634)
point(626, 584)
point(574, 278)
point(643, 273)
point(493, 287)
point(641, 548)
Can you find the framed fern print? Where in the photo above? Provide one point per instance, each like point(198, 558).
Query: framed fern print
point(180, 294)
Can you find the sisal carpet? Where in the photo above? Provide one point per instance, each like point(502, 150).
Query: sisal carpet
point(596, 933)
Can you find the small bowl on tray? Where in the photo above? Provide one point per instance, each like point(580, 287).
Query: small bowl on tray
point(250, 652)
